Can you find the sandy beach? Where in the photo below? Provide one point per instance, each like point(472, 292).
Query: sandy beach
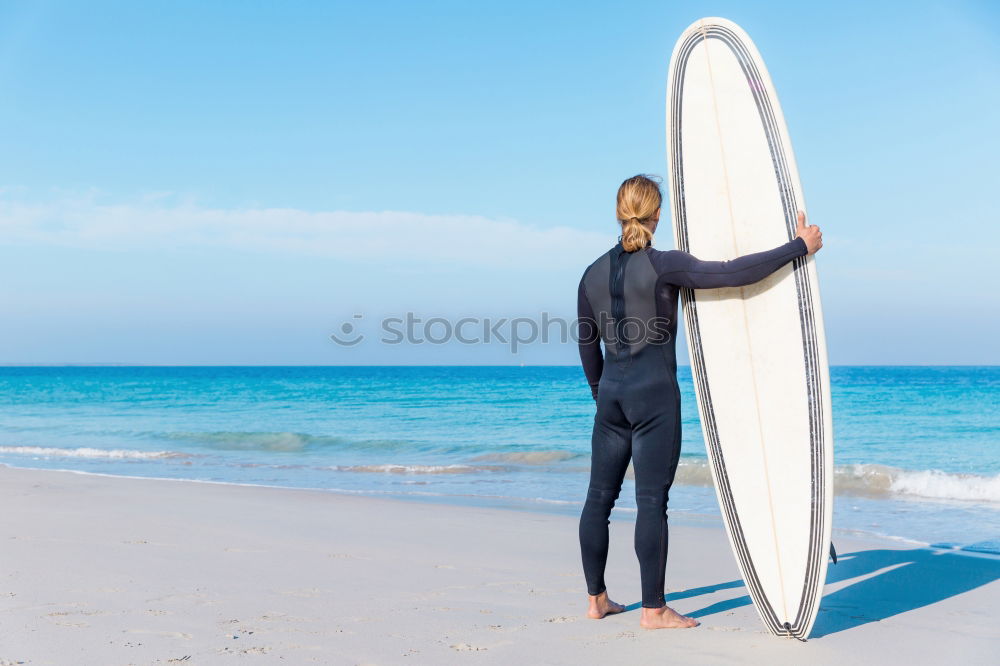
point(112, 570)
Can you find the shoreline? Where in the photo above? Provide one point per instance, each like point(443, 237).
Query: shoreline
point(108, 569)
point(523, 504)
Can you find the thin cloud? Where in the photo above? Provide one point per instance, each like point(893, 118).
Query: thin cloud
point(156, 222)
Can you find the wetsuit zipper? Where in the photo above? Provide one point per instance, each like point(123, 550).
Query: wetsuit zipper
point(618, 305)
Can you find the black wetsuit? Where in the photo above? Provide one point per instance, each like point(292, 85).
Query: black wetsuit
point(628, 301)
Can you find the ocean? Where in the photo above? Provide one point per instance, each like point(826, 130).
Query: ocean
point(917, 449)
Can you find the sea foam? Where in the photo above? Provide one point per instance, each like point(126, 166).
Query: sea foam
point(85, 452)
point(529, 457)
point(877, 481)
point(279, 441)
point(419, 469)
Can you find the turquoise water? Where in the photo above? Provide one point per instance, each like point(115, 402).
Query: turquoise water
point(917, 448)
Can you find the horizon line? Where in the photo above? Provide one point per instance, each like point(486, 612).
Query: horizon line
point(113, 364)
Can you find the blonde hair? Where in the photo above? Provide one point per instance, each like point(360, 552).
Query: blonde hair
point(639, 197)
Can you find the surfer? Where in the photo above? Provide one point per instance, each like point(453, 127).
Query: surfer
point(627, 299)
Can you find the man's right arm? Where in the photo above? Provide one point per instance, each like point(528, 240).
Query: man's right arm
point(686, 270)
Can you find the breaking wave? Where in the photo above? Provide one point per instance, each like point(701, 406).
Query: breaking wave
point(868, 480)
point(89, 452)
point(279, 441)
point(420, 469)
point(879, 481)
point(529, 457)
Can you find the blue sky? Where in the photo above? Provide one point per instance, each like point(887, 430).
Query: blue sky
point(228, 182)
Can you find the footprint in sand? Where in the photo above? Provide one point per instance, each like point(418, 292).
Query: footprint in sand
point(302, 592)
point(183, 597)
point(347, 556)
point(251, 650)
point(166, 634)
point(464, 647)
point(60, 613)
point(284, 617)
point(562, 618)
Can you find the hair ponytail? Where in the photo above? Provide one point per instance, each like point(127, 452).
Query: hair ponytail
point(635, 235)
point(639, 198)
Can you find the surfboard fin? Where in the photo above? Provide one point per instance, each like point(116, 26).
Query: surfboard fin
point(833, 553)
point(788, 630)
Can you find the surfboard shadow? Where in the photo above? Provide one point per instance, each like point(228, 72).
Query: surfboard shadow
point(898, 581)
point(891, 582)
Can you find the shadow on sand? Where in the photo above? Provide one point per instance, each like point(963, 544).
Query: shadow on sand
point(694, 592)
point(890, 582)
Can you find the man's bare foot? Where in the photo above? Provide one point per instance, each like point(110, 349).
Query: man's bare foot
point(601, 606)
point(665, 618)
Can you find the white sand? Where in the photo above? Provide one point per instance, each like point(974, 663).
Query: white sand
point(104, 570)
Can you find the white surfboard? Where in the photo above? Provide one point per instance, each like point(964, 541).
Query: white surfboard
point(758, 353)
